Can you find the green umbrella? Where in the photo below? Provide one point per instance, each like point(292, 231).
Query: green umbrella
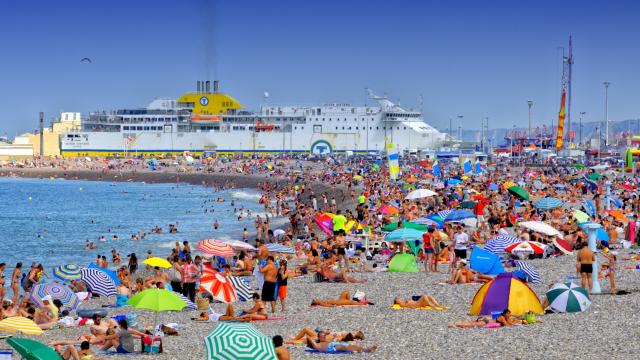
point(407, 225)
point(519, 192)
point(238, 341)
point(568, 297)
point(580, 216)
point(595, 176)
point(157, 300)
point(33, 350)
point(579, 166)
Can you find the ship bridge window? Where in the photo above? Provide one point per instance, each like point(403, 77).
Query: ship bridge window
point(146, 128)
point(405, 128)
point(125, 128)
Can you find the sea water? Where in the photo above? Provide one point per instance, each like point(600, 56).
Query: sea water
point(49, 221)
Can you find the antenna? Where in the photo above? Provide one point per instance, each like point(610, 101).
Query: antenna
point(568, 64)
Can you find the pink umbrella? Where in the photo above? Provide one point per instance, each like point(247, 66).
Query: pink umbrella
point(215, 247)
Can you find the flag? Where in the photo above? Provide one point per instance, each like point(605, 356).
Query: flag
point(561, 120)
point(478, 168)
point(436, 169)
point(467, 166)
point(392, 154)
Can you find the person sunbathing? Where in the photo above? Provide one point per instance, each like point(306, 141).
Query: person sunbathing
point(338, 277)
point(421, 302)
point(479, 322)
point(324, 345)
point(506, 319)
point(229, 315)
point(345, 299)
point(308, 333)
point(464, 275)
point(257, 312)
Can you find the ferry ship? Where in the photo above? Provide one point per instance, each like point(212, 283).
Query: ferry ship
point(208, 121)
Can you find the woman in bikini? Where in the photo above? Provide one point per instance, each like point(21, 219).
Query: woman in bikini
point(323, 344)
point(479, 322)
point(308, 333)
point(257, 312)
point(345, 299)
point(15, 281)
point(423, 301)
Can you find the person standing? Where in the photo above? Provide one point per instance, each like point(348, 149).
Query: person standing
point(461, 240)
point(427, 248)
point(282, 278)
point(269, 287)
point(263, 253)
point(585, 258)
point(175, 274)
point(190, 274)
point(15, 281)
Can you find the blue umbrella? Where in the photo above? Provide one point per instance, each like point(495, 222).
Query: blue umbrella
point(616, 202)
point(548, 203)
point(589, 208)
point(601, 234)
point(112, 274)
point(404, 235)
point(493, 187)
point(453, 181)
point(533, 276)
point(499, 243)
point(443, 214)
point(277, 248)
point(485, 262)
point(427, 221)
point(459, 215)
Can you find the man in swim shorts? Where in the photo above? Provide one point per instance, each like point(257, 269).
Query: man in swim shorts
point(585, 258)
point(269, 287)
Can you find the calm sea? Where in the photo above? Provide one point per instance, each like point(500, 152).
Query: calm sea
point(49, 221)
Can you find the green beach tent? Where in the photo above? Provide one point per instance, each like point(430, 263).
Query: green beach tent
point(403, 263)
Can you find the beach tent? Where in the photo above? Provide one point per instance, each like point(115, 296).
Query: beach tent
point(505, 292)
point(485, 262)
point(403, 263)
point(405, 225)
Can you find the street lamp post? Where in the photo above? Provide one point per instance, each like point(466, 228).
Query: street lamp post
point(582, 113)
point(530, 103)
point(513, 133)
point(606, 112)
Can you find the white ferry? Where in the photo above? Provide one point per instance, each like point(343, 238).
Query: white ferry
point(208, 121)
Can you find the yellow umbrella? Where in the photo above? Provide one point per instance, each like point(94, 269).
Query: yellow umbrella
point(508, 184)
point(159, 262)
point(357, 177)
point(20, 324)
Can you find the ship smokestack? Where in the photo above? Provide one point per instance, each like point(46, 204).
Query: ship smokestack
point(207, 86)
point(198, 86)
point(216, 86)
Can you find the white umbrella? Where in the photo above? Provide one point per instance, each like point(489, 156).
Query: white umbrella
point(420, 193)
point(240, 245)
point(541, 227)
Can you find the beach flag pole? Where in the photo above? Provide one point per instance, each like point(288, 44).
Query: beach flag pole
point(592, 229)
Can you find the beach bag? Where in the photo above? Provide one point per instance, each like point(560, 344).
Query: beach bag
point(359, 295)
point(530, 318)
point(202, 303)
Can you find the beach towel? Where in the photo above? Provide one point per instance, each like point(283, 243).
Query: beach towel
point(398, 307)
point(354, 305)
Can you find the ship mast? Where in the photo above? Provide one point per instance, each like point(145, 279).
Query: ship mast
point(566, 79)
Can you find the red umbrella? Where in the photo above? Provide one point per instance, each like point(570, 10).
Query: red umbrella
point(215, 247)
point(563, 246)
point(526, 247)
point(218, 285)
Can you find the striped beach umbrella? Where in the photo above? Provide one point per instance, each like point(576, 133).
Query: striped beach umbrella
point(240, 245)
point(110, 273)
point(56, 291)
point(526, 248)
point(499, 243)
point(443, 214)
point(19, 324)
point(218, 285)
point(568, 297)
point(215, 247)
point(237, 341)
point(67, 272)
point(548, 203)
point(540, 227)
point(190, 304)
point(533, 276)
point(278, 248)
point(98, 282)
point(243, 290)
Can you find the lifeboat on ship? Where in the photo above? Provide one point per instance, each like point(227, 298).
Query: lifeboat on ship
point(262, 127)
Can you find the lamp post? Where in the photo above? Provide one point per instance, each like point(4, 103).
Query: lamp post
point(606, 112)
point(582, 113)
point(530, 103)
point(460, 138)
point(513, 134)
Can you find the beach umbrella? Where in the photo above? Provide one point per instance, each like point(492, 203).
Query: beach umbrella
point(485, 262)
point(526, 248)
point(589, 208)
point(238, 341)
point(32, 350)
point(157, 262)
point(427, 222)
point(243, 290)
point(499, 243)
point(190, 305)
point(67, 272)
point(458, 215)
point(279, 248)
point(357, 177)
point(578, 166)
point(599, 167)
point(507, 184)
point(563, 246)
point(420, 193)
point(241, 245)
point(618, 215)
point(505, 291)
point(110, 273)
point(601, 234)
point(580, 216)
point(493, 187)
point(453, 181)
point(20, 324)
point(540, 227)
point(402, 235)
point(443, 214)
point(56, 291)
point(532, 275)
point(568, 297)
point(218, 285)
point(325, 222)
point(405, 225)
point(98, 282)
point(215, 248)
point(388, 209)
point(594, 176)
point(157, 300)
point(519, 192)
point(548, 203)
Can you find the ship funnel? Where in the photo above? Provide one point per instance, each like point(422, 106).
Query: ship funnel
point(198, 86)
point(216, 86)
point(207, 86)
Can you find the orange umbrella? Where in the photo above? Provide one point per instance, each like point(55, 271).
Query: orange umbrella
point(389, 209)
point(508, 184)
point(218, 285)
point(617, 215)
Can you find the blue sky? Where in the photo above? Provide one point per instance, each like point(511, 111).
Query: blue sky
point(475, 58)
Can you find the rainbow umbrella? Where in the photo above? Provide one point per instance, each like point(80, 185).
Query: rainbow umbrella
point(56, 291)
point(325, 222)
point(67, 272)
point(505, 292)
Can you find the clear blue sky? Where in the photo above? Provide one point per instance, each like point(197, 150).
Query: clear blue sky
point(475, 58)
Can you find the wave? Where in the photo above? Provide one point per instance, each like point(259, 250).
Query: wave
point(246, 195)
